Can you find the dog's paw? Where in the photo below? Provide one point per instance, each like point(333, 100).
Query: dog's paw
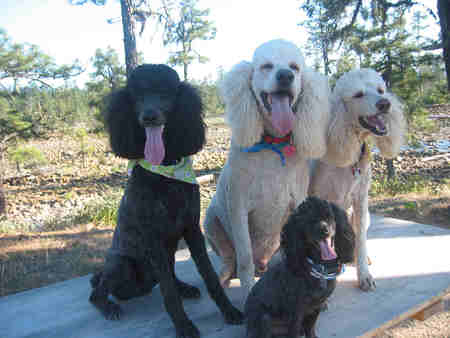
point(187, 291)
point(366, 282)
point(188, 330)
point(112, 311)
point(234, 316)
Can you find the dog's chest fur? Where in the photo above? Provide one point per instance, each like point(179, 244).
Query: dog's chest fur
point(283, 291)
point(154, 205)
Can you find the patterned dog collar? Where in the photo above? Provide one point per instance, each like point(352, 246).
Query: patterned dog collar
point(319, 271)
point(181, 171)
point(281, 145)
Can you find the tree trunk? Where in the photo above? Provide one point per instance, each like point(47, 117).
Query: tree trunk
point(326, 60)
point(185, 71)
point(129, 38)
point(443, 7)
point(390, 169)
point(387, 77)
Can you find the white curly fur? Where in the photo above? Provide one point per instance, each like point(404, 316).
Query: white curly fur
point(345, 132)
point(255, 192)
point(356, 95)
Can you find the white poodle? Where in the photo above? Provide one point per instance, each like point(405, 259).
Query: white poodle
point(361, 107)
point(278, 111)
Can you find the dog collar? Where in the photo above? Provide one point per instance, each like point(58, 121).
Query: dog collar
point(320, 271)
point(181, 171)
point(281, 145)
point(356, 168)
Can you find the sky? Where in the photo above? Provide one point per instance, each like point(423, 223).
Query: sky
point(67, 32)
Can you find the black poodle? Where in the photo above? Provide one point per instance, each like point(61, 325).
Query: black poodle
point(316, 240)
point(157, 118)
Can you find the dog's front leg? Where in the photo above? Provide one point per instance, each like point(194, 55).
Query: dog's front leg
point(237, 200)
point(160, 261)
point(309, 324)
point(361, 220)
point(196, 243)
point(244, 253)
point(295, 323)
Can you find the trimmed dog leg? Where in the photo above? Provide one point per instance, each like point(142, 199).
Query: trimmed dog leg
point(221, 244)
point(162, 264)
point(185, 290)
point(196, 242)
point(361, 219)
point(244, 253)
point(295, 324)
point(309, 324)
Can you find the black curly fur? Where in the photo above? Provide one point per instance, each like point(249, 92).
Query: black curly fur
point(156, 211)
point(287, 292)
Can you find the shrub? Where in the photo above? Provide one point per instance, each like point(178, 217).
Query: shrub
point(26, 155)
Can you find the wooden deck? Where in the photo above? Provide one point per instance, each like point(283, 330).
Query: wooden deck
point(411, 264)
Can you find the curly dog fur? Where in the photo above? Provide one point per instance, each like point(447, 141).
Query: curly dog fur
point(288, 294)
point(362, 109)
point(156, 211)
point(275, 95)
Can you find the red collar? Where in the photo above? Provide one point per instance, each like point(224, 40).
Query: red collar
point(277, 140)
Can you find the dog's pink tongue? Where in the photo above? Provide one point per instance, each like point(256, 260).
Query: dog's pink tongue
point(326, 250)
point(282, 114)
point(154, 147)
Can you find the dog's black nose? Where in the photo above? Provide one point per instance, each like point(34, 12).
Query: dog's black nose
point(325, 232)
point(285, 77)
point(383, 105)
point(151, 118)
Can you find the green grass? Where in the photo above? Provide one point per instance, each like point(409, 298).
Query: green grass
point(398, 186)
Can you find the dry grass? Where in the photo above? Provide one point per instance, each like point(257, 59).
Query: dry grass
point(31, 260)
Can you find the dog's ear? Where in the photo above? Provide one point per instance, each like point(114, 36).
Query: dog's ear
point(241, 110)
point(390, 144)
point(185, 124)
point(345, 236)
point(293, 243)
point(312, 110)
point(341, 135)
point(126, 137)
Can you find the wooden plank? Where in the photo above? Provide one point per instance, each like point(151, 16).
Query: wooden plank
point(422, 311)
point(405, 279)
point(430, 310)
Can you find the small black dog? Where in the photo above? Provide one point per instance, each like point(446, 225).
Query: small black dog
point(315, 242)
point(157, 118)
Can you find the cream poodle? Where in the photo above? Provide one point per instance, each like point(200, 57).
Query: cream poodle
point(361, 108)
point(278, 111)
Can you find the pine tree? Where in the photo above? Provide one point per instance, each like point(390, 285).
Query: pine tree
point(192, 25)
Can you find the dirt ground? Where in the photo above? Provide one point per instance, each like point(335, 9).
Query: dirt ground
point(58, 239)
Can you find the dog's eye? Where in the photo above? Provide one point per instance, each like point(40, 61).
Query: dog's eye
point(359, 94)
point(294, 67)
point(380, 90)
point(267, 66)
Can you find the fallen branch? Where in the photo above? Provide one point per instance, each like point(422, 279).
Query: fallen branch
point(431, 158)
point(205, 179)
